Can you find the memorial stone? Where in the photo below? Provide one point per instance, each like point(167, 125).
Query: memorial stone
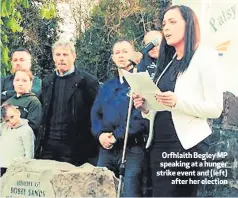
point(46, 178)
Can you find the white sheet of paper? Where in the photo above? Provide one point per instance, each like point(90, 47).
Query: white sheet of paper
point(142, 84)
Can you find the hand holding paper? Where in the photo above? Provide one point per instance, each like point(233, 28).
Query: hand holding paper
point(139, 103)
point(167, 98)
point(141, 84)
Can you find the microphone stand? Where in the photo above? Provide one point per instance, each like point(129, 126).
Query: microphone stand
point(123, 161)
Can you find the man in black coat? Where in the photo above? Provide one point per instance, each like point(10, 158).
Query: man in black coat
point(67, 98)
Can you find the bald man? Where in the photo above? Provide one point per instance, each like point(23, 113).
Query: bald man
point(148, 62)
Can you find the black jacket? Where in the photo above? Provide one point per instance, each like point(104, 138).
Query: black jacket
point(149, 64)
point(80, 100)
point(30, 108)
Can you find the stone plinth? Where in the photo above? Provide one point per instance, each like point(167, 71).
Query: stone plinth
point(46, 178)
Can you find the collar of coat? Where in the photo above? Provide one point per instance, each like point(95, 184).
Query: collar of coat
point(78, 77)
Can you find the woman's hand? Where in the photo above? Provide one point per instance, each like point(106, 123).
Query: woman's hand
point(139, 103)
point(167, 98)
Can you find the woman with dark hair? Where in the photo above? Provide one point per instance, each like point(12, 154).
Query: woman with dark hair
point(188, 77)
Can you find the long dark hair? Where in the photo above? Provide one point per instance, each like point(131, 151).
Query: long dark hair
point(192, 38)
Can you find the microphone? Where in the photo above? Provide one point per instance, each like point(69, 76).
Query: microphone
point(150, 45)
point(135, 59)
point(131, 62)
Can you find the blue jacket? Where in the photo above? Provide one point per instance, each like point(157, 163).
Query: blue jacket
point(110, 109)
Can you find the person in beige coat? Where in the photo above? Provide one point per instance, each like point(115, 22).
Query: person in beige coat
point(190, 92)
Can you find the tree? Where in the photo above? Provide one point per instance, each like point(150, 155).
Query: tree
point(109, 21)
point(20, 25)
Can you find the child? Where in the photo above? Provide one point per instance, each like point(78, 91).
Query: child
point(16, 137)
point(27, 102)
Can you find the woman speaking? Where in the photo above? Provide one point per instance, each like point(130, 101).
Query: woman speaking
point(188, 78)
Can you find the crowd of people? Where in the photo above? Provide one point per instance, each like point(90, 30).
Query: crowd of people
point(68, 117)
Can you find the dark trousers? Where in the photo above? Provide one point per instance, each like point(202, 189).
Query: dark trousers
point(133, 168)
point(63, 151)
point(59, 150)
point(162, 185)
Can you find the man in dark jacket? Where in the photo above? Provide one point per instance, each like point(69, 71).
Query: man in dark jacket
point(67, 98)
point(109, 119)
point(20, 58)
point(148, 62)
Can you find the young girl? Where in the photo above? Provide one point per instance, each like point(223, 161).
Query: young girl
point(27, 102)
point(16, 137)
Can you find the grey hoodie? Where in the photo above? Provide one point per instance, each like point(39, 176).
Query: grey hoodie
point(17, 142)
point(30, 108)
